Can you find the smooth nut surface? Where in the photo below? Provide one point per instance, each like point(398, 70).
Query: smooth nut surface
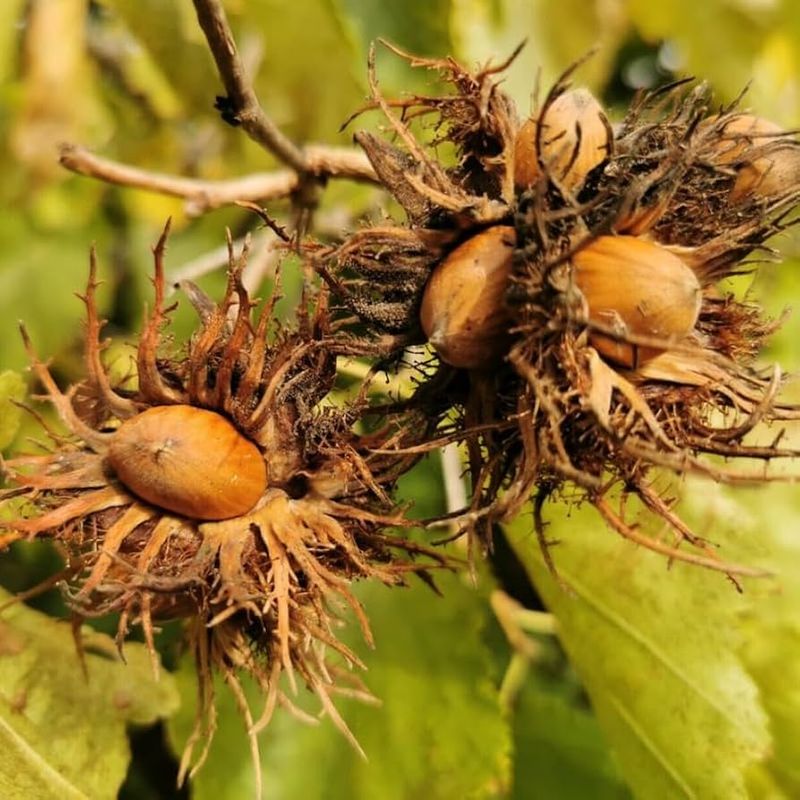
point(575, 137)
point(463, 311)
point(771, 158)
point(526, 159)
point(189, 461)
point(635, 286)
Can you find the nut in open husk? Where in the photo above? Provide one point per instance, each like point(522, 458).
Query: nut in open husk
point(564, 142)
point(636, 287)
point(215, 490)
point(766, 159)
point(463, 310)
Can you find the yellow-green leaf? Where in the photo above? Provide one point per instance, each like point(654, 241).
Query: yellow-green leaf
point(62, 732)
point(657, 652)
point(12, 390)
point(555, 36)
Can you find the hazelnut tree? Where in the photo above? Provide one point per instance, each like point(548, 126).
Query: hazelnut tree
point(548, 305)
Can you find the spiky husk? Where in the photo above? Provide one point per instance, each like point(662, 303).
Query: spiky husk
point(262, 593)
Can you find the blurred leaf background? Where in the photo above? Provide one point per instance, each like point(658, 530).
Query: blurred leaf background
point(662, 683)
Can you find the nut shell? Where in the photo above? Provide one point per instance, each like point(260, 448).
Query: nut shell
point(768, 159)
point(526, 160)
point(635, 286)
point(189, 461)
point(463, 310)
point(574, 139)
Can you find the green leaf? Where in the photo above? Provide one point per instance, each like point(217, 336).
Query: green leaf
point(774, 287)
point(62, 733)
point(176, 48)
point(769, 518)
point(439, 732)
point(559, 749)
point(419, 27)
point(724, 58)
point(12, 388)
point(657, 652)
point(39, 276)
point(312, 78)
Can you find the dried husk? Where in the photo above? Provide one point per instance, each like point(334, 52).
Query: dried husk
point(261, 590)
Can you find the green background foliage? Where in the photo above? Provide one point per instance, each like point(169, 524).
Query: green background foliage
point(662, 683)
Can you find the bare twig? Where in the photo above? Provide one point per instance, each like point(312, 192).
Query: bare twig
point(202, 195)
point(241, 105)
point(308, 166)
point(326, 161)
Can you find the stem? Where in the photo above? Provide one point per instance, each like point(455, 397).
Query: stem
point(513, 682)
point(541, 622)
point(245, 108)
point(335, 162)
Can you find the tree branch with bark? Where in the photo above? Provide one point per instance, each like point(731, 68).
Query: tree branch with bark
point(305, 169)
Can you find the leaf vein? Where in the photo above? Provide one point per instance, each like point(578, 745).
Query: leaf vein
point(616, 619)
point(629, 719)
point(62, 788)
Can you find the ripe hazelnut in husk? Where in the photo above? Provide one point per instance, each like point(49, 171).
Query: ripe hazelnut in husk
point(636, 287)
point(190, 461)
point(566, 142)
point(767, 160)
point(161, 501)
point(463, 312)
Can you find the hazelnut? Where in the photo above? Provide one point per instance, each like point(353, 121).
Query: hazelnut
point(636, 287)
point(189, 461)
point(463, 311)
point(767, 159)
point(575, 137)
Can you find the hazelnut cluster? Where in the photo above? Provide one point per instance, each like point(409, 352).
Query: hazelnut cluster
point(568, 273)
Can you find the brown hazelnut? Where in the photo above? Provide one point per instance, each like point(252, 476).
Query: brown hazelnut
point(575, 137)
point(190, 461)
point(637, 287)
point(463, 311)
